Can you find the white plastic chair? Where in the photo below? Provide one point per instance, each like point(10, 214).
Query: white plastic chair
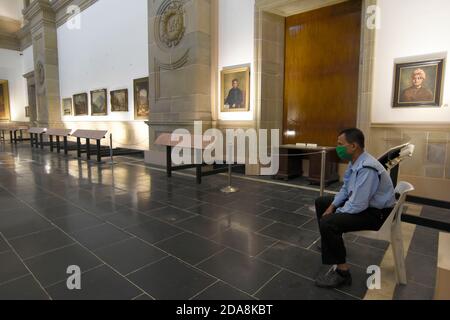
point(391, 231)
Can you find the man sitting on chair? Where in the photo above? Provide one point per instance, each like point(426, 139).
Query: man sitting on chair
point(364, 203)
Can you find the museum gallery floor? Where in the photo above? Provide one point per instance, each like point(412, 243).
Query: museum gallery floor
point(136, 234)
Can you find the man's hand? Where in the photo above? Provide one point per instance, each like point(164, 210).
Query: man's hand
point(330, 210)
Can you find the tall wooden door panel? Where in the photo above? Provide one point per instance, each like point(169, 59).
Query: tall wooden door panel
point(322, 73)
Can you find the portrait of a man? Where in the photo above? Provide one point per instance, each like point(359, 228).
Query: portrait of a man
point(418, 84)
point(235, 89)
point(417, 92)
point(235, 97)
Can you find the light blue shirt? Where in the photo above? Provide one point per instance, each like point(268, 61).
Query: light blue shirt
point(366, 185)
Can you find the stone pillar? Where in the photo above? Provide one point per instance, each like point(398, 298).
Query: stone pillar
point(179, 67)
point(31, 89)
point(41, 19)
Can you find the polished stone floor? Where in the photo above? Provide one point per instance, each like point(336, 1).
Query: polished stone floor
point(135, 234)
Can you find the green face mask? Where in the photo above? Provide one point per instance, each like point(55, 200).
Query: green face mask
point(343, 153)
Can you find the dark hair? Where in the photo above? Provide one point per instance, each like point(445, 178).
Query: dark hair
point(354, 136)
point(235, 80)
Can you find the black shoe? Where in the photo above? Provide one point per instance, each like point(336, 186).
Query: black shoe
point(333, 279)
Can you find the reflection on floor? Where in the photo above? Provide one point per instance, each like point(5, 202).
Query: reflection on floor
point(137, 235)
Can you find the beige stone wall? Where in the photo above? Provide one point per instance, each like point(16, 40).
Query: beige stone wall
point(429, 169)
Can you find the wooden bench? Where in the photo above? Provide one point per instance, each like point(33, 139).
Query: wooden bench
point(89, 135)
point(443, 268)
point(12, 129)
point(165, 140)
point(37, 137)
point(59, 133)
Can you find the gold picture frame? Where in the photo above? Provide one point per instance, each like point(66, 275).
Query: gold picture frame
point(235, 89)
point(5, 114)
point(141, 88)
point(80, 104)
point(67, 107)
point(419, 84)
point(99, 102)
point(119, 100)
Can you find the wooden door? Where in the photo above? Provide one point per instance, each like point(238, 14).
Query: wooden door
point(4, 101)
point(322, 73)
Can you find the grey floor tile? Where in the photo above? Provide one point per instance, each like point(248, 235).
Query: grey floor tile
point(212, 211)
point(154, 231)
point(247, 207)
point(203, 226)
point(421, 269)
point(11, 267)
point(126, 218)
point(289, 286)
point(99, 284)
point(413, 291)
point(170, 279)
point(72, 224)
point(244, 241)
point(25, 288)
point(52, 267)
point(425, 242)
point(190, 248)
point(298, 260)
point(299, 237)
point(282, 204)
point(60, 211)
point(16, 224)
point(241, 220)
point(223, 292)
point(39, 243)
point(239, 270)
point(171, 214)
point(362, 255)
point(129, 255)
point(100, 236)
point(286, 217)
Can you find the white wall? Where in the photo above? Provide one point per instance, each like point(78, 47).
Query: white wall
point(27, 60)
point(409, 28)
point(236, 46)
point(11, 69)
point(109, 51)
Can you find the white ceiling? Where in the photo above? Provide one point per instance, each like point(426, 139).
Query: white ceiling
point(11, 9)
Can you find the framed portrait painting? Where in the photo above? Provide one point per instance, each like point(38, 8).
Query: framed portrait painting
point(141, 99)
point(119, 100)
point(235, 89)
point(80, 104)
point(4, 101)
point(99, 104)
point(67, 107)
point(418, 84)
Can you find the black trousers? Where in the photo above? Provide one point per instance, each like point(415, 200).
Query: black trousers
point(333, 226)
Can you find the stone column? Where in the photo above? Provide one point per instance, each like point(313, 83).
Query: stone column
point(41, 19)
point(31, 89)
point(179, 67)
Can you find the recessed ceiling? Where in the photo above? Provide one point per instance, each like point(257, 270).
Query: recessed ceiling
point(288, 8)
point(11, 9)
